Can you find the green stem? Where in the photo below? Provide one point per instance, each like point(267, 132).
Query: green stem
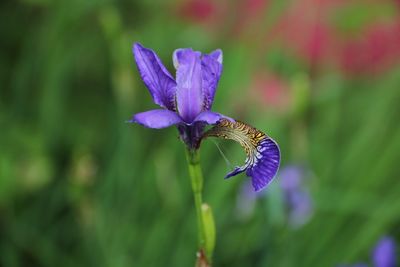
point(205, 220)
point(196, 177)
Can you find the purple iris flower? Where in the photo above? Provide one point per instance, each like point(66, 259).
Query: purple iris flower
point(186, 102)
point(384, 254)
point(297, 197)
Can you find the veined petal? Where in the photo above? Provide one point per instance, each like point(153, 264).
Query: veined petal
point(210, 117)
point(156, 77)
point(263, 154)
point(156, 118)
point(264, 163)
point(211, 66)
point(189, 95)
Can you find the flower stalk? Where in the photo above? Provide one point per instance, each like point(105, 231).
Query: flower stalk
point(185, 102)
point(205, 221)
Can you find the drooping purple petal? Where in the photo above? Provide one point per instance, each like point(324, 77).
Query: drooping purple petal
point(189, 95)
point(237, 170)
point(156, 77)
point(210, 117)
point(263, 155)
point(211, 72)
point(266, 166)
point(384, 254)
point(156, 118)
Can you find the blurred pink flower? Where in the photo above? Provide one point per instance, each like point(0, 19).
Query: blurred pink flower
point(250, 16)
point(304, 28)
point(211, 15)
point(375, 50)
point(271, 90)
point(197, 10)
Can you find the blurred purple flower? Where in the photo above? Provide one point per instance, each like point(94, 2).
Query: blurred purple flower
point(373, 51)
point(296, 196)
point(384, 254)
point(186, 102)
point(246, 201)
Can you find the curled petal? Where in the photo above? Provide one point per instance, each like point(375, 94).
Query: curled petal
point(237, 170)
point(263, 154)
point(156, 118)
point(156, 77)
point(211, 66)
point(189, 95)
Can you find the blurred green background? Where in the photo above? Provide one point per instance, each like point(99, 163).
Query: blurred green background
point(80, 187)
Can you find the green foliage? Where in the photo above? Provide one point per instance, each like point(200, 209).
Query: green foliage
point(80, 187)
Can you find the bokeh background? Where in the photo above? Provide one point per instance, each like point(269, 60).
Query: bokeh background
point(81, 187)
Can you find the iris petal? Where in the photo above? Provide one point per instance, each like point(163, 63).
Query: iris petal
point(210, 117)
point(156, 118)
point(266, 164)
point(189, 95)
point(156, 77)
point(263, 155)
point(217, 55)
point(211, 72)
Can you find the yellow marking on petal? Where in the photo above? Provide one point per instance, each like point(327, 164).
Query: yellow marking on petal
point(248, 136)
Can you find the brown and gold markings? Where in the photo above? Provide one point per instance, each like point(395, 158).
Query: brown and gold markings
point(248, 136)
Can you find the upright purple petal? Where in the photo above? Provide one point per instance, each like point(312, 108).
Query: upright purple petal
point(384, 254)
point(211, 72)
point(217, 55)
point(156, 118)
point(156, 77)
point(189, 95)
